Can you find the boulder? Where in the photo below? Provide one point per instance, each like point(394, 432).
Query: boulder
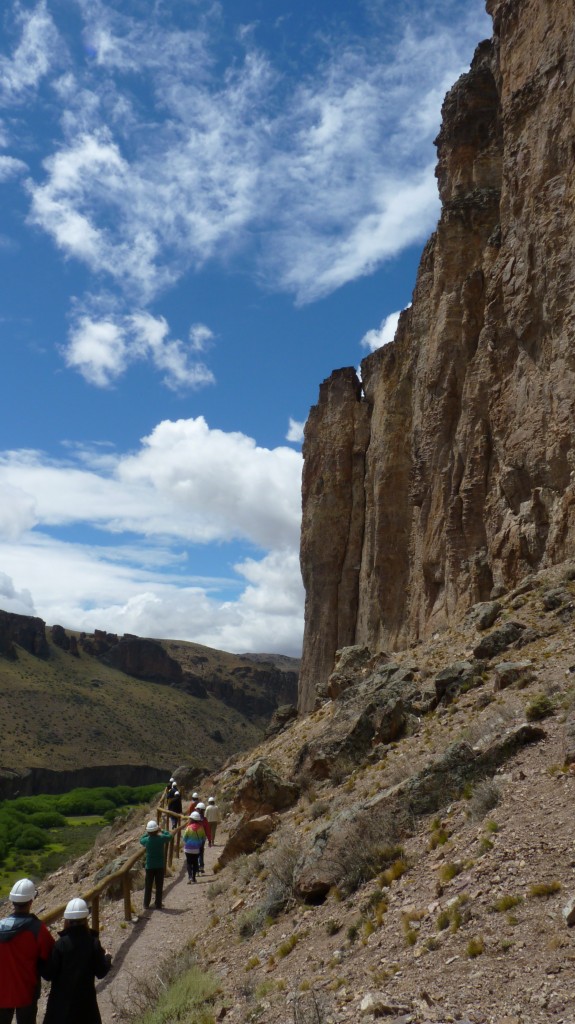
point(281, 718)
point(452, 679)
point(262, 791)
point(248, 837)
point(508, 673)
point(485, 614)
point(499, 640)
point(555, 598)
point(569, 912)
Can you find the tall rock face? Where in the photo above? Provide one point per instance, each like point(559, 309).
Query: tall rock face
point(450, 469)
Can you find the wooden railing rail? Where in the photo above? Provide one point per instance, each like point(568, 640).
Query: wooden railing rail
point(92, 896)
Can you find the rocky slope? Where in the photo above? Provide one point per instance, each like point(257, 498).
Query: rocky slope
point(447, 473)
point(412, 841)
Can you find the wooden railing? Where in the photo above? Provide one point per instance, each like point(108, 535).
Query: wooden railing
point(92, 896)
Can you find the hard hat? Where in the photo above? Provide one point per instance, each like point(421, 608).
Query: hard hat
point(172, 779)
point(211, 799)
point(76, 909)
point(152, 826)
point(195, 816)
point(176, 792)
point(195, 796)
point(23, 891)
point(200, 806)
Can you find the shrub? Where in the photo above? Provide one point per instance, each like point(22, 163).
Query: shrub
point(540, 707)
point(332, 927)
point(540, 889)
point(46, 819)
point(367, 853)
point(31, 838)
point(507, 903)
point(450, 870)
point(286, 947)
point(485, 797)
point(475, 947)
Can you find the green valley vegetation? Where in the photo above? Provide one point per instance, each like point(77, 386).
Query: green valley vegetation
point(39, 833)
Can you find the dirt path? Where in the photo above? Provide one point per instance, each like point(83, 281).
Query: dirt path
point(139, 948)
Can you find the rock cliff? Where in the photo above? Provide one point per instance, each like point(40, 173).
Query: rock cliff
point(447, 473)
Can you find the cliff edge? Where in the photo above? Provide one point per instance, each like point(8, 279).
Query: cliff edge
point(446, 474)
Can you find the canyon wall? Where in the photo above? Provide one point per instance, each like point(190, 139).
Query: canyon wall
point(447, 473)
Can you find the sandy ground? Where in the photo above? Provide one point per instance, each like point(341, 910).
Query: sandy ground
point(140, 948)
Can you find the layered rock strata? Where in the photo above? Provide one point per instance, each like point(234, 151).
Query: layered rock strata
point(447, 474)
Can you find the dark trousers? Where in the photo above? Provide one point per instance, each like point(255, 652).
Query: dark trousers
point(24, 1014)
point(202, 856)
point(152, 875)
point(192, 860)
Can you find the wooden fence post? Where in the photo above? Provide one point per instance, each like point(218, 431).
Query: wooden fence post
point(127, 890)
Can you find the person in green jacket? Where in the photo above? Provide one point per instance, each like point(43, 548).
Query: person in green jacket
point(154, 839)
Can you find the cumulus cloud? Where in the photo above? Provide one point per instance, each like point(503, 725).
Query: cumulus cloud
point(187, 481)
point(383, 334)
point(102, 349)
point(17, 511)
point(295, 431)
point(17, 602)
point(186, 485)
point(99, 589)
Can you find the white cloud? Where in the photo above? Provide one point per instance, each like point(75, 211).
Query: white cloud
point(318, 181)
point(102, 349)
point(10, 167)
point(17, 512)
point(17, 602)
point(95, 592)
point(34, 56)
point(187, 482)
point(383, 334)
point(200, 336)
point(187, 485)
point(295, 431)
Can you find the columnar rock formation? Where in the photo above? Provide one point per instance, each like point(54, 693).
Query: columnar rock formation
point(448, 472)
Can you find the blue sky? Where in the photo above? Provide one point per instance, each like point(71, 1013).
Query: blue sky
point(206, 208)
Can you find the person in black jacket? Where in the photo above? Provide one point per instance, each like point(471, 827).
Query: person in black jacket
point(76, 960)
point(175, 804)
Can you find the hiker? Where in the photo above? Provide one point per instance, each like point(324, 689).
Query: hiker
point(77, 960)
point(194, 802)
point(214, 817)
point(175, 805)
point(194, 835)
point(154, 839)
point(25, 948)
point(201, 809)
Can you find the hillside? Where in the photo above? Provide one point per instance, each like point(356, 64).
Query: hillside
point(420, 878)
point(72, 702)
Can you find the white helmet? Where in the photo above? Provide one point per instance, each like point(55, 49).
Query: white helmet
point(200, 806)
point(152, 826)
point(76, 909)
point(211, 799)
point(172, 779)
point(23, 891)
point(176, 792)
point(195, 796)
point(195, 816)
